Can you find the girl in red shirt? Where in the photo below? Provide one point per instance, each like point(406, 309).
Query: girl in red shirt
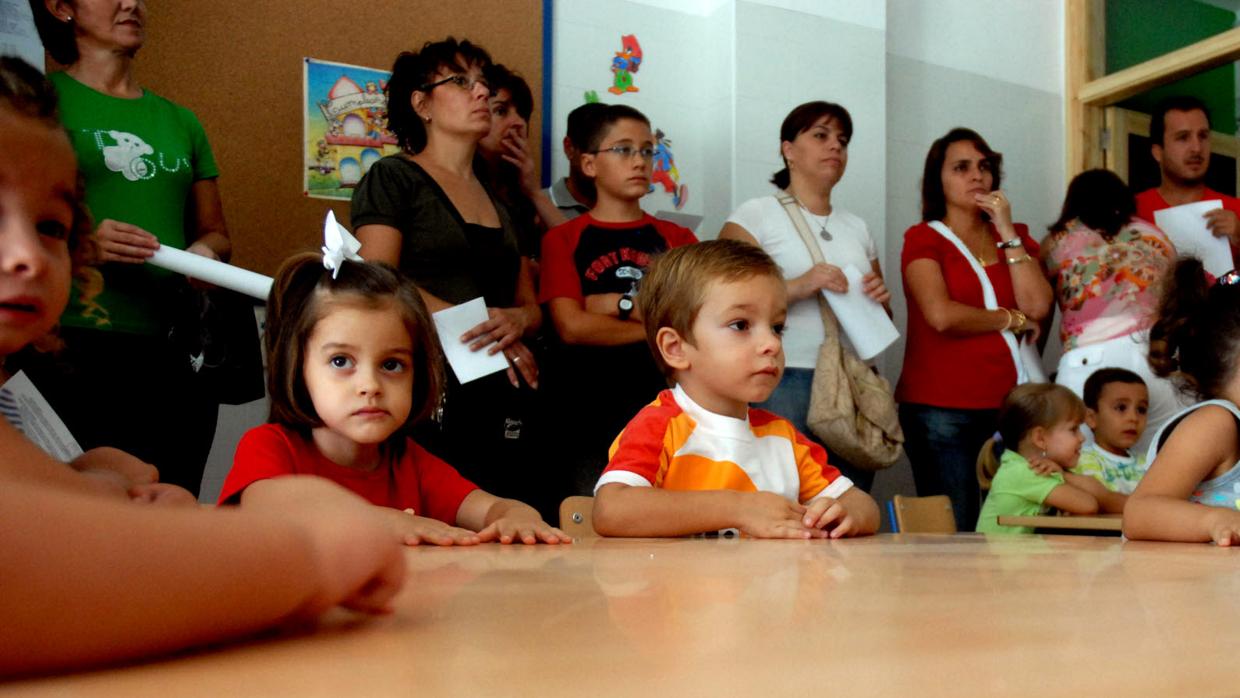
point(354, 364)
point(974, 288)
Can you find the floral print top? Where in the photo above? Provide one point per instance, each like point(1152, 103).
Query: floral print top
point(1106, 289)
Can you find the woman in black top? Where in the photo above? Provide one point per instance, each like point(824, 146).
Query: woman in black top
point(425, 211)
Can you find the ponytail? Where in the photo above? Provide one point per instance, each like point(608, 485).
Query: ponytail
point(1197, 334)
point(782, 179)
point(988, 461)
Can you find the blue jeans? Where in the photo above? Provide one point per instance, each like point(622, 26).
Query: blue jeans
point(942, 445)
point(790, 400)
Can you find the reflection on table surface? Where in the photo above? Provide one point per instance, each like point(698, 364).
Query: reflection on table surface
point(891, 614)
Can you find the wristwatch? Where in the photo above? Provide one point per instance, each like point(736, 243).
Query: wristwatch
point(625, 306)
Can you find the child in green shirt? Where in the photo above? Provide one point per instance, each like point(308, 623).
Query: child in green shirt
point(1028, 465)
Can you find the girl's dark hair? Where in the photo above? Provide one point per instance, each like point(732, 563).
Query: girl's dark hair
point(302, 294)
point(800, 120)
point(933, 200)
point(1025, 408)
point(1101, 200)
point(57, 35)
point(501, 78)
point(412, 71)
point(1196, 338)
point(25, 92)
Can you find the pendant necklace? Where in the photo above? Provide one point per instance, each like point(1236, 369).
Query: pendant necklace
point(820, 220)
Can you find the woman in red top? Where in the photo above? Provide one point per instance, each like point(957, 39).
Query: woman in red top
point(959, 363)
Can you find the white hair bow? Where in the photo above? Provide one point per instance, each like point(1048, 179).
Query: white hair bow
point(338, 245)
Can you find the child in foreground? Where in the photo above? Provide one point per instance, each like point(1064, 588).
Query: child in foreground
point(1191, 491)
point(699, 458)
point(91, 579)
point(1116, 406)
point(354, 363)
point(1029, 467)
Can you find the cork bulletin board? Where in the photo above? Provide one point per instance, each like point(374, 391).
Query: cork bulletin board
point(237, 64)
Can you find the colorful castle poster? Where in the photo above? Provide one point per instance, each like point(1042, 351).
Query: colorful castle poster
point(346, 126)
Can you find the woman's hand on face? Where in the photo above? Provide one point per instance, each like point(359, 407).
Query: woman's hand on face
point(876, 288)
point(997, 205)
point(516, 151)
point(823, 276)
point(505, 326)
point(122, 242)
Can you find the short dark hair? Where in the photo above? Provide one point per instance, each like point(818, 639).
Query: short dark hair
point(800, 120)
point(1102, 378)
point(1158, 119)
point(581, 123)
point(674, 287)
point(300, 296)
point(1101, 200)
point(501, 78)
point(933, 200)
point(413, 70)
point(57, 34)
point(1196, 338)
point(605, 119)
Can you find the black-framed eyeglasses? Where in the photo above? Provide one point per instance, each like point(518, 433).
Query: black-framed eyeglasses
point(627, 151)
point(462, 81)
point(1231, 278)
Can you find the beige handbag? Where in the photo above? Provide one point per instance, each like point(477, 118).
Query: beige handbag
point(851, 407)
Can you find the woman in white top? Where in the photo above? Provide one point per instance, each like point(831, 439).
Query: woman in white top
point(814, 145)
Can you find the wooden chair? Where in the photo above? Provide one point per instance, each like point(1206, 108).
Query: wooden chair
point(923, 514)
point(575, 517)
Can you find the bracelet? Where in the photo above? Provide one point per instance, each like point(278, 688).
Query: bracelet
point(1023, 258)
point(1007, 325)
point(1021, 321)
point(1010, 244)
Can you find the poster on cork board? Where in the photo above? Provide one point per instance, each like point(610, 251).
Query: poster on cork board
point(346, 126)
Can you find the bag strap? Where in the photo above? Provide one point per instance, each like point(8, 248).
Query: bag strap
point(793, 209)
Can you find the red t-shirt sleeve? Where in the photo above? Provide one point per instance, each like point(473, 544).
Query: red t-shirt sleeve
point(676, 235)
point(558, 273)
point(264, 452)
point(442, 487)
point(640, 448)
point(921, 242)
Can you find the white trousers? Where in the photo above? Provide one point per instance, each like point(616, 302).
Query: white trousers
point(1130, 352)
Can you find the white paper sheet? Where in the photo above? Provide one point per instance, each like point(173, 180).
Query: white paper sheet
point(23, 406)
point(862, 318)
point(1186, 226)
point(209, 270)
point(453, 322)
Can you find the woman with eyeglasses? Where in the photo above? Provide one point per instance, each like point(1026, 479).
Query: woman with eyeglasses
point(975, 292)
point(814, 145)
point(1108, 268)
point(425, 211)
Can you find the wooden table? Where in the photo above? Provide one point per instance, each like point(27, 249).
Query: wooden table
point(1102, 522)
point(904, 615)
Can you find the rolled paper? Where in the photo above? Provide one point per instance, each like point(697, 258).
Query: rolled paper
point(213, 272)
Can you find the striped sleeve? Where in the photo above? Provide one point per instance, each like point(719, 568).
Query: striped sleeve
point(818, 477)
point(640, 454)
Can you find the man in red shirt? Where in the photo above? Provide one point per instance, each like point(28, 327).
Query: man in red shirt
point(1180, 143)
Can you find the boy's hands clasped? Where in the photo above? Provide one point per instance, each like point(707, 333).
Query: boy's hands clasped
point(768, 515)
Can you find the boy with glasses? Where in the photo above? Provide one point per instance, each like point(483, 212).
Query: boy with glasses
point(601, 373)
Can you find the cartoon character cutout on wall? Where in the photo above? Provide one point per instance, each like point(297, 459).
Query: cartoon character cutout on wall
point(665, 172)
point(625, 65)
point(356, 118)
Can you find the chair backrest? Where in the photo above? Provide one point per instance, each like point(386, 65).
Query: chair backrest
point(924, 514)
point(575, 519)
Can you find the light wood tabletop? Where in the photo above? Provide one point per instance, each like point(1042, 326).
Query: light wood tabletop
point(904, 615)
point(1101, 522)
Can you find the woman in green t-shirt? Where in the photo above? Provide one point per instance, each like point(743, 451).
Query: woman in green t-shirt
point(150, 181)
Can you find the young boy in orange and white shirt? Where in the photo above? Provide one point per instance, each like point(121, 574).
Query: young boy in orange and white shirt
point(698, 458)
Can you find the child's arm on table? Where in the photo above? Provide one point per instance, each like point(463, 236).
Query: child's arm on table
point(1108, 502)
point(1159, 509)
point(506, 520)
point(21, 460)
point(641, 512)
point(1074, 495)
point(854, 513)
point(89, 581)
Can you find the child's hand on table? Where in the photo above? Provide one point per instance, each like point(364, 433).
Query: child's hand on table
point(768, 515)
point(830, 518)
point(520, 527)
point(420, 530)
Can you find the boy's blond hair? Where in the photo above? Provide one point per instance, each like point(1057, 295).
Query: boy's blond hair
point(674, 287)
